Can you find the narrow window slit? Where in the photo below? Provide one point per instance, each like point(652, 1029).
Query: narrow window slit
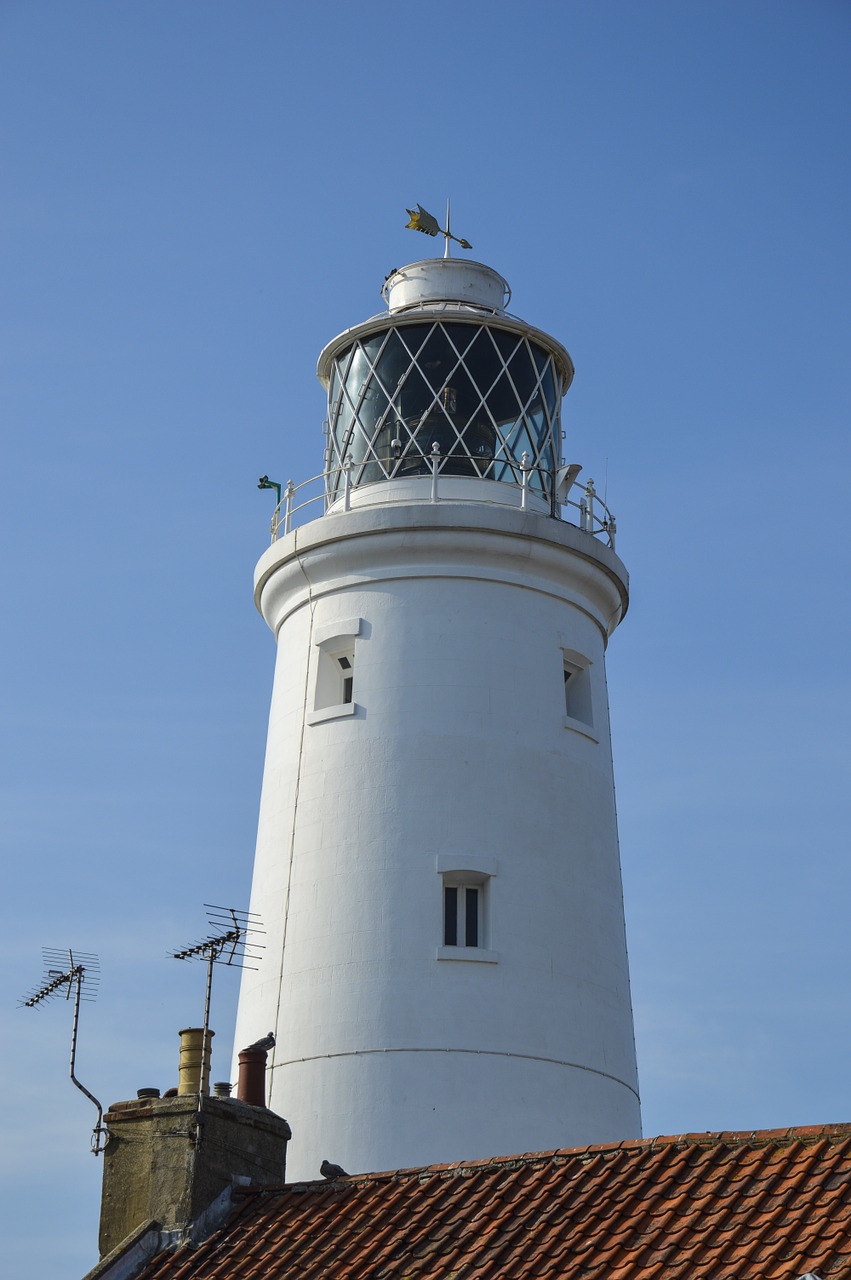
point(471, 905)
point(450, 916)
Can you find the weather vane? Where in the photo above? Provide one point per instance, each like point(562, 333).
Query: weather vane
point(428, 224)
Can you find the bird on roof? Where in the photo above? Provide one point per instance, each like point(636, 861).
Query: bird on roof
point(329, 1170)
point(268, 1042)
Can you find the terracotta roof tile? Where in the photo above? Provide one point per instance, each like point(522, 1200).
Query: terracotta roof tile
point(766, 1204)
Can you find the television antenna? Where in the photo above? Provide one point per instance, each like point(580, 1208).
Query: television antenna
point(231, 943)
point(67, 971)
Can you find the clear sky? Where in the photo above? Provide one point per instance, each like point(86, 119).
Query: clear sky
point(196, 198)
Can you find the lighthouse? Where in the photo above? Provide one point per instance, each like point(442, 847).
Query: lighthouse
point(437, 866)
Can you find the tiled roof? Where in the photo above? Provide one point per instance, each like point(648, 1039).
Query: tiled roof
point(769, 1205)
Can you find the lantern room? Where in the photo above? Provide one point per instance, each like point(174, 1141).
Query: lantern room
point(445, 383)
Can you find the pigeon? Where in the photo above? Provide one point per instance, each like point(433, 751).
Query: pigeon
point(268, 1042)
point(329, 1170)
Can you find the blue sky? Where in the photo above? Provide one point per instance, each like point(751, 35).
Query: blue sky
point(197, 197)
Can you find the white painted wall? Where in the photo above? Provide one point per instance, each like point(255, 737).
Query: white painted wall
point(457, 749)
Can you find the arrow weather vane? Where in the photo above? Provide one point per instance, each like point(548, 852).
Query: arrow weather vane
point(428, 224)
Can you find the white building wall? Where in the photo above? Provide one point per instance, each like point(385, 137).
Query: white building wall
point(458, 756)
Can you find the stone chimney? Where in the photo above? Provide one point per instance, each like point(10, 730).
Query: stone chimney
point(169, 1159)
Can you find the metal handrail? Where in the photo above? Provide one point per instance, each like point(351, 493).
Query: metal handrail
point(594, 517)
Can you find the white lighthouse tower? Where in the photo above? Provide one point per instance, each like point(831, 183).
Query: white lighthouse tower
point(437, 863)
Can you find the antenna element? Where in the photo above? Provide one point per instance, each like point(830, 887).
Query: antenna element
point(229, 944)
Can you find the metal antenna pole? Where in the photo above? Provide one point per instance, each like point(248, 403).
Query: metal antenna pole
point(99, 1133)
point(217, 945)
point(74, 976)
point(206, 1047)
point(211, 960)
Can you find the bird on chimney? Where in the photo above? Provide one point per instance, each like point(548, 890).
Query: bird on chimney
point(329, 1170)
point(259, 1046)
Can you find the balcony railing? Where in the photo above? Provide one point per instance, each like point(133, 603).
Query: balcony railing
point(297, 502)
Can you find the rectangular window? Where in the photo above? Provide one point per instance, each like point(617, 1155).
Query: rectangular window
point(466, 898)
point(335, 683)
point(461, 907)
point(576, 678)
point(332, 668)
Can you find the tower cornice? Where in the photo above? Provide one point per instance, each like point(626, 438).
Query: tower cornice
point(442, 540)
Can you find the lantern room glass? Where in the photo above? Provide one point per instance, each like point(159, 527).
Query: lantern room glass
point(484, 395)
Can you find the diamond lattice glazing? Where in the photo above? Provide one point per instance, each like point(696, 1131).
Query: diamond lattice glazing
point(483, 394)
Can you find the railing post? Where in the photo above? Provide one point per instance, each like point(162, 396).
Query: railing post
point(347, 483)
point(327, 476)
point(288, 507)
point(435, 462)
point(524, 478)
point(587, 505)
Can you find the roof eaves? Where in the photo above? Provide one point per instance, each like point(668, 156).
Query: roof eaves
point(127, 1259)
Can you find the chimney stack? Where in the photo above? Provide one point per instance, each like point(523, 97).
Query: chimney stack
point(168, 1159)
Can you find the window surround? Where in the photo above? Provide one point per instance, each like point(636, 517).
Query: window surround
point(463, 872)
point(332, 669)
point(578, 706)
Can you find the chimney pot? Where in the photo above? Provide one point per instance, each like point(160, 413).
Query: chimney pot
point(147, 1093)
point(194, 1069)
point(251, 1082)
point(222, 1089)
